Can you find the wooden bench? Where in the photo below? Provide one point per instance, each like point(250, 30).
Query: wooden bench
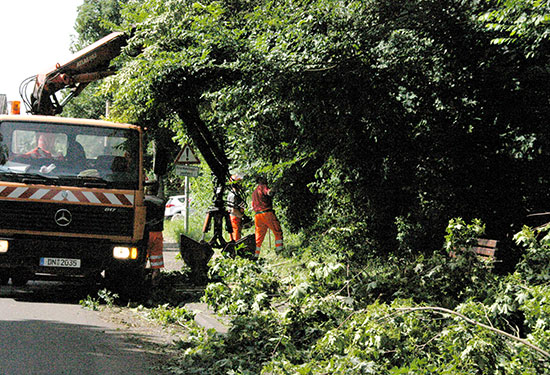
point(484, 248)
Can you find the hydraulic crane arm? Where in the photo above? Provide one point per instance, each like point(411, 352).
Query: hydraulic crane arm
point(88, 65)
point(202, 137)
point(216, 159)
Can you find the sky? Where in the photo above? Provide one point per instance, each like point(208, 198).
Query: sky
point(36, 35)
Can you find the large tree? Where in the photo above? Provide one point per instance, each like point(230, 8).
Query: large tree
point(380, 120)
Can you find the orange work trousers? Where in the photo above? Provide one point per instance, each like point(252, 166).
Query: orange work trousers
point(154, 250)
point(236, 225)
point(263, 222)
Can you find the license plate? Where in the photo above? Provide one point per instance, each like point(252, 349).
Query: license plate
point(60, 262)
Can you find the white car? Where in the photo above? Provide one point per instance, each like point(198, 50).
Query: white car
point(175, 206)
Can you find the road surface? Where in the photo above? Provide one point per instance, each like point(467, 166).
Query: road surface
point(43, 330)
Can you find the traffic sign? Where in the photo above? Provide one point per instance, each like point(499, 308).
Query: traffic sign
point(187, 156)
point(187, 170)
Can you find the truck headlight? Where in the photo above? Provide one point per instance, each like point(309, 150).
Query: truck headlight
point(4, 246)
point(123, 252)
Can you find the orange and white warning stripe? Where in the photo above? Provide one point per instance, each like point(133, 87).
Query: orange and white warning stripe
point(66, 195)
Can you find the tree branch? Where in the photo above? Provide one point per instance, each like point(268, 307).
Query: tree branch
point(442, 310)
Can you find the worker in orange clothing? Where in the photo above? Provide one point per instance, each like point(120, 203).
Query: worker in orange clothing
point(236, 209)
point(155, 245)
point(264, 219)
point(154, 251)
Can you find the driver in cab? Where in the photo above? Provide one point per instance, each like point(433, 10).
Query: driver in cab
point(44, 145)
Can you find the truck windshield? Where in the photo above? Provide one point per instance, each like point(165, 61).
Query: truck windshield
point(67, 154)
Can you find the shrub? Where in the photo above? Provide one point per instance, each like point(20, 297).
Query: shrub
point(534, 267)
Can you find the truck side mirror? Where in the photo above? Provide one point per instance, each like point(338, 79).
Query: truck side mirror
point(151, 187)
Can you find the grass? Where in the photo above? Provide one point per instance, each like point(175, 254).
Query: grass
point(173, 228)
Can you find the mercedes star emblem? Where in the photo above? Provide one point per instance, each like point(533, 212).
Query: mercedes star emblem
point(63, 217)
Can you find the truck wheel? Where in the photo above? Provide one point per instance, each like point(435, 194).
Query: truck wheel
point(128, 282)
point(4, 278)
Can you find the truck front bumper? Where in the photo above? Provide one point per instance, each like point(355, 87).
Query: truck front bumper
point(67, 257)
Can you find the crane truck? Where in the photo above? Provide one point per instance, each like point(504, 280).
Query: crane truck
point(72, 191)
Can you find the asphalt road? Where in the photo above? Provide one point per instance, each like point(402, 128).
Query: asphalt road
point(44, 330)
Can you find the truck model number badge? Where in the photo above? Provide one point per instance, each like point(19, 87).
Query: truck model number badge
point(63, 217)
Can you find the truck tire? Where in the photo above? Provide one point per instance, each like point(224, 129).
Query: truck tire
point(128, 282)
point(4, 278)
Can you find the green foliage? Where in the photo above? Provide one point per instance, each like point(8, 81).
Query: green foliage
point(535, 306)
point(535, 264)
point(96, 19)
point(173, 228)
point(327, 276)
point(435, 279)
point(380, 339)
point(90, 104)
point(461, 236)
point(167, 314)
point(103, 296)
point(515, 21)
point(243, 285)
point(90, 303)
point(242, 351)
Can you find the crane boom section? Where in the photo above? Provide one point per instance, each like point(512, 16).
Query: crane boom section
point(88, 65)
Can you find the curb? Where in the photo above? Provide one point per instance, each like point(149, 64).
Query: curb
point(204, 316)
point(207, 318)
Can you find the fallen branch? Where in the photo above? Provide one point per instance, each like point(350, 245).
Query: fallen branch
point(442, 310)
